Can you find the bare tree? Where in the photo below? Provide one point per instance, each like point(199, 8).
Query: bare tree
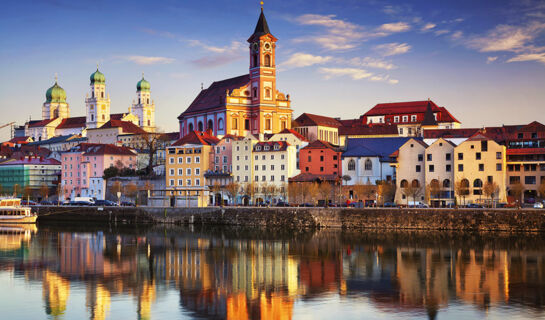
point(386, 191)
point(131, 189)
point(433, 190)
point(116, 190)
point(461, 188)
point(517, 190)
point(313, 192)
point(413, 190)
point(216, 189)
point(369, 190)
point(16, 189)
point(153, 141)
point(490, 190)
point(27, 191)
point(44, 191)
point(324, 190)
point(294, 192)
point(233, 189)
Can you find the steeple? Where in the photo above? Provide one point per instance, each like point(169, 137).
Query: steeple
point(262, 27)
point(429, 118)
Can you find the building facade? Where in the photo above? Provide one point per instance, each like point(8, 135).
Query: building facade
point(410, 172)
point(315, 127)
point(31, 172)
point(321, 158)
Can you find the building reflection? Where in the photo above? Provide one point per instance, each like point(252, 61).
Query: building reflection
point(233, 278)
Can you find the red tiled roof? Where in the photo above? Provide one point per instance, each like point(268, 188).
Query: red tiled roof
point(19, 140)
point(126, 126)
point(449, 133)
point(102, 149)
point(526, 151)
point(32, 160)
point(117, 116)
point(41, 123)
point(197, 137)
point(295, 133)
point(350, 122)
point(283, 145)
point(74, 122)
point(214, 96)
point(410, 107)
point(231, 136)
point(533, 127)
point(309, 177)
point(368, 130)
point(308, 119)
point(319, 144)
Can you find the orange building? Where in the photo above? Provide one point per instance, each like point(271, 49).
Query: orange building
point(245, 104)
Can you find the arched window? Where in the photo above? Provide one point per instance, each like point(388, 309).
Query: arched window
point(102, 94)
point(149, 123)
point(351, 165)
point(267, 60)
point(148, 101)
point(465, 183)
point(103, 118)
point(477, 183)
point(368, 164)
point(446, 183)
point(404, 183)
point(200, 126)
point(138, 100)
point(190, 127)
point(220, 124)
point(254, 58)
point(267, 93)
point(210, 125)
point(255, 92)
point(92, 117)
point(415, 183)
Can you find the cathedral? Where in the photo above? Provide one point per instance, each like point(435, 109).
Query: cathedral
point(56, 120)
point(249, 103)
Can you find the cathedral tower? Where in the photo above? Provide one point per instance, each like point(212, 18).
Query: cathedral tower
point(55, 105)
point(98, 105)
point(144, 108)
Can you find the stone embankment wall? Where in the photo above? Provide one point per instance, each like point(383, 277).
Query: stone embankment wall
point(300, 218)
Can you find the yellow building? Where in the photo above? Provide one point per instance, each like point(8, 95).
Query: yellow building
point(479, 160)
point(315, 127)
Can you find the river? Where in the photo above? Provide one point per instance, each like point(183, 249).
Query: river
point(101, 272)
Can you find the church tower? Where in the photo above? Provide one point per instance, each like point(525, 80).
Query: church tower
point(262, 63)
point(144, 108)
point(98, 105)
point(55, 105)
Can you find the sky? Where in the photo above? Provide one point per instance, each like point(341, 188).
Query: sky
point(482, 60)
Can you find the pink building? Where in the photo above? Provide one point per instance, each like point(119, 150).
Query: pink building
point(83, 167)
point(221, 160)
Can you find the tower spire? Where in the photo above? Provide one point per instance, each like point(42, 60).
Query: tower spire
point(56, 78)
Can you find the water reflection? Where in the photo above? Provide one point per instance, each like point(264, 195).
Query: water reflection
point(244, 274)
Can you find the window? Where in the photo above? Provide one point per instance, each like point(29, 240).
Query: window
point(256, 157)
point(322, 169)
point(180, 182)
point(220, 124)
point(481, 166)
point(197, 159)
point(405, 118)
point(263, 178)
point(180, 172)
point(264, 167)
point(418, 169)
point(272, 178)
point(282, 167)
point(197, 171)
point(415, 184)
point(171, 182)
point(256, 178)
point(197, 182)
point(171, 160)
point(234, 124)
point(448, 168)
point(447, 156)
point(180, 160)
point(256, 167)
point(429, 157)
point(282, 178)
point(171, 172)
point(477, 156)
point(267, 60)
point(498, 155)
point(272, 166)
point(188, 171)
point(446, 183)
point(188, 160)
point(396, 119)
point(188, 182)
point(420, 157)
point(368, 164)
point(321, 158)
point(246, 124)
point(461, 167)
point(498, 167)
point(431, 168)
point(514, 179)
point(484, 146)
point(267, 124)
point(413, 118)
point(530, 180)
point(351, 165)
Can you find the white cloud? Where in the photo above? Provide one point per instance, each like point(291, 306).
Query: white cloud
point(372, 63)
point(491, 59)
point(394, 27)
point(339, 35)
point(441, 32)
point(300, 59)
point(539, 57)
point(354, 73)
point(428, 26)
point(145, 60)
point(232, 47)
point(457, 35)
point(394, 48)
point(507, 38)
point(382, 78)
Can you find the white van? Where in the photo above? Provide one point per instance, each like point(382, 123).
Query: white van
point(86, 200)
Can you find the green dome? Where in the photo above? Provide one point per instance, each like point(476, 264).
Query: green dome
point(55, 94)
point(143, 85)
point(97, 77)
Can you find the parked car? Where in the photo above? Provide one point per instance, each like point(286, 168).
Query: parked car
point(474, 206)
point(105, 203)
point(81, 203)
point(46, 203)
point(28, 203)
point(306, 205)
point(127, 204)
point(538, 205)
point(390, 204)
point(282, 204)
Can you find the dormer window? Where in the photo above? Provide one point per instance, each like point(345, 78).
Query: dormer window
point(258, 148)
point(396, 119)
point(413, 118)
point(405, 118)
point(266, 148)
point(276, 147)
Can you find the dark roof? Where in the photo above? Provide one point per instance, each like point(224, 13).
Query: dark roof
point(521, 151)
point(282, 145)
point(19, 139)
point(41, 123)
point(126, 126)
point(319, 144)
point(369, 130)
point(56, 139)
point(262, 27)
point(374, 147)
point(197, 137)
point(74, 122)
point(295, 133)
point(102, 149)
point(429, 118)
point(411, 107)
point(309, 177)
point(117, 116)
point(308, 119)
point(214, 96)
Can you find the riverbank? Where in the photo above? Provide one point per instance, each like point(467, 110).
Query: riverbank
point(523, 220)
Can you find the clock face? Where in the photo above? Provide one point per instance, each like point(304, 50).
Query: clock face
point(267, 46)
point(255, 46)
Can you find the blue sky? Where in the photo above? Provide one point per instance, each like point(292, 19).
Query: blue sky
point(483, 60)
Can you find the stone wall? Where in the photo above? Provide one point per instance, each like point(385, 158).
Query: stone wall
point(300, 218)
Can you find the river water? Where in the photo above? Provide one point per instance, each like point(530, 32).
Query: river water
point(52, 272)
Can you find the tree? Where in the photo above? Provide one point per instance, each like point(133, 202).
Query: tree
point(16, 189)
point(359, 190)
point(313, 191)
point(490, 190)
point(116, 190)
point(27, 191)
point(517, 190)
point(249, 190)
point(44, 191)
point(283, 191)
point(541, 189)
point(433, 190)
point(131, 189)
point(413, 190)
point(385, 191)
point(110, 173)
point(233, 189)
point(294, 192)
point(369, 190)
point(216, 189)
point(461, 188)
point(324, 190)
point(153, 142)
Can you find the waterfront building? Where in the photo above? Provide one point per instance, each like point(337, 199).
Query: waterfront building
point(223, 154)
point(315, 127)
point(321, 158)
point(411, 118)
point(410, 171)
point(115, 132)
point(352, 130)
point(249, 103)
point(293, 138)
point(479, 160)
point(366, 160)
point(242, 159)
point(59, 143)
point(32, 172)
point(439, 173)
point(187, 161)
point(83, 168)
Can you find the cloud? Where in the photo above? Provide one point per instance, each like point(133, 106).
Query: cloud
point(539, 57)
point(232, 47)
point(300, 59)
point(354, 73)
point(491, 59)
point(394, 27)
point(372, 63)
point(381, 78)
point(428, 26)
point(441, 32)
point(215, 60)
point(457, 35)
point(507, 38)
point(145, 60)
point(394, 48)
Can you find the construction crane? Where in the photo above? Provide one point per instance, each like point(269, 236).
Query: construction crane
point(7, 125)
